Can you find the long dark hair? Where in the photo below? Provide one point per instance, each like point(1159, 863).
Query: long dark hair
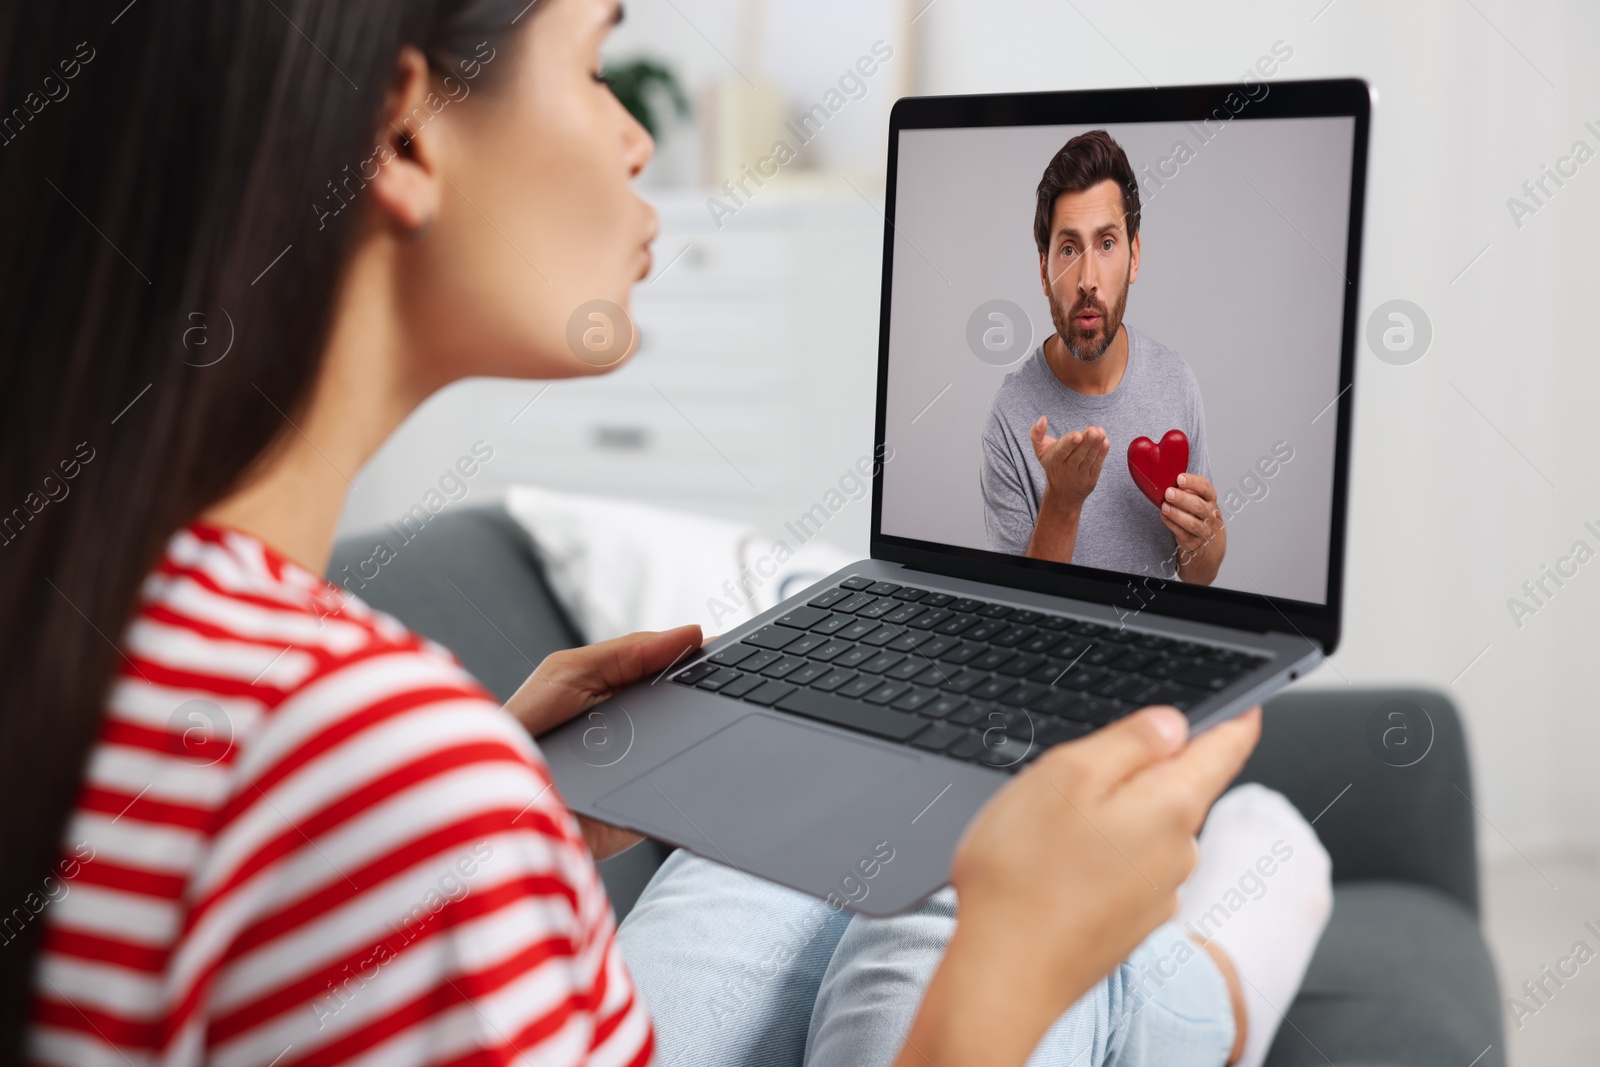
point(165, 175)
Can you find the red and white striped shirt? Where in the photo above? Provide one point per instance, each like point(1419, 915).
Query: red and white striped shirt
point(307, 836)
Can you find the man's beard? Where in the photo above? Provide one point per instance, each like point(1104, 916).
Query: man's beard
point(1088, 347)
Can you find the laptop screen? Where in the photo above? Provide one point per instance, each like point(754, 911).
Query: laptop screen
point(1080, 314)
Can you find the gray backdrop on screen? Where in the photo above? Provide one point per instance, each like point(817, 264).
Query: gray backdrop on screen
point(1241, 272)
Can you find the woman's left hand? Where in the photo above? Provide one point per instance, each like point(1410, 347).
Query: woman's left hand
point(570, 682)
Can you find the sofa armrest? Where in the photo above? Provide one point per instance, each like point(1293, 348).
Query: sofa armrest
point(1384, 774)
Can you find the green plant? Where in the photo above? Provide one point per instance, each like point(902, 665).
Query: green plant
point(640, 84)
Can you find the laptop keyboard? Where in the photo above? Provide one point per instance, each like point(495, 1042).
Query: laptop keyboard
point(966, 678)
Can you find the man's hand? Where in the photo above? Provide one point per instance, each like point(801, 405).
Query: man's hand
point(1071, 470)
point(570, 682)
point(1190, 511)
point(1071, 463)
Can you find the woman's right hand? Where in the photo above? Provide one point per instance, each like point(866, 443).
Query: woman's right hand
point(1064, 872)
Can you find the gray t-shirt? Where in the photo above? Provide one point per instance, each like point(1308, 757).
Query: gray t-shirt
point(1120, 529)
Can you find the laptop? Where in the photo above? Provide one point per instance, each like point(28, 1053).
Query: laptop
point(839, 743)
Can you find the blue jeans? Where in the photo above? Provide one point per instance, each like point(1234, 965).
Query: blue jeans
point(736, 970)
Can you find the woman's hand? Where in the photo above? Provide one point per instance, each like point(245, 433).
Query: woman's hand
point(1064, 872)
point(570, 682)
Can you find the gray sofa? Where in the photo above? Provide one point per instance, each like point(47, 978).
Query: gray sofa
point(1402, 975)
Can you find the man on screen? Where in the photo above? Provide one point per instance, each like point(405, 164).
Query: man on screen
point(1054, 475)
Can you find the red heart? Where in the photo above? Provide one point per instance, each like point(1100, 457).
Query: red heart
point(1155, 468)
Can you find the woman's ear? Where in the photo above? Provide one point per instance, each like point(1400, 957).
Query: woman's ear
point(408, 186)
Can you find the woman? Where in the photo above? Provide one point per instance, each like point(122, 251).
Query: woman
point(249, 820)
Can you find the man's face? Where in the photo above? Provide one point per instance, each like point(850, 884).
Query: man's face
point(1088, 268)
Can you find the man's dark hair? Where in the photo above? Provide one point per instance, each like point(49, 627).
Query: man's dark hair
point(1084, 162)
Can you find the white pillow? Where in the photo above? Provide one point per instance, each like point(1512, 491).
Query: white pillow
point(619, 566)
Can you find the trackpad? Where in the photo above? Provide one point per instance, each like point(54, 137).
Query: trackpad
point(766, 790)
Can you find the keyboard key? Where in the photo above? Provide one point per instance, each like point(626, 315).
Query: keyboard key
point(832, 624)
point(1053, 702)
point(1023, 693)
point(1189, 648)
point(934, 647)
point(806, 674)
point(857, 630)
point(909, 669)
point(1154, 641)
point(1088, 629)
point(1100, 655)
point(929, 619)
point(943, 707)
point(995, 611)
point(992, 688)
point(881, 722)
point(856, 583)
point(803, 617)
point(698, 673)
point(1143, 694)
point(760, 660)
point(910, 594)
point(883, 635)
point(856, 603)
point(904, 614)
point(1020, 665)
point(742, 685)
point(1133, 661)
point(878, 608)
point(1122, 637)
point(1014, 636)
point(830, 598)
point(1045, 643)
point(938, 600)
point(935, 675)
point(886, 692)
point(956, 625)
point(805, 645)
point(938, 736)
point(835, 678)
point(787, 665)
point(733, 655)
point(908, 641)
point(1059, 732)
point(1206, 677)
point(966, 605)
point(964, 681)
point(772, 637)
point(769, 693)
point(883, 588)
point(860, 687)
point(964, 652)
point(834, 647)
point(1118, 685)
point(1166, 667)
point(1082, 677)
point(987, 630)
point(915, 700)
point(1025, 618)
point(1055, 622)
point(881, 662)
point(966, 747)
point(1182, 697)
point(855, 657)
point(972, 714)
point(992, 659)
point(1048, 672)
point(714, 682)
point(1002, 752)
